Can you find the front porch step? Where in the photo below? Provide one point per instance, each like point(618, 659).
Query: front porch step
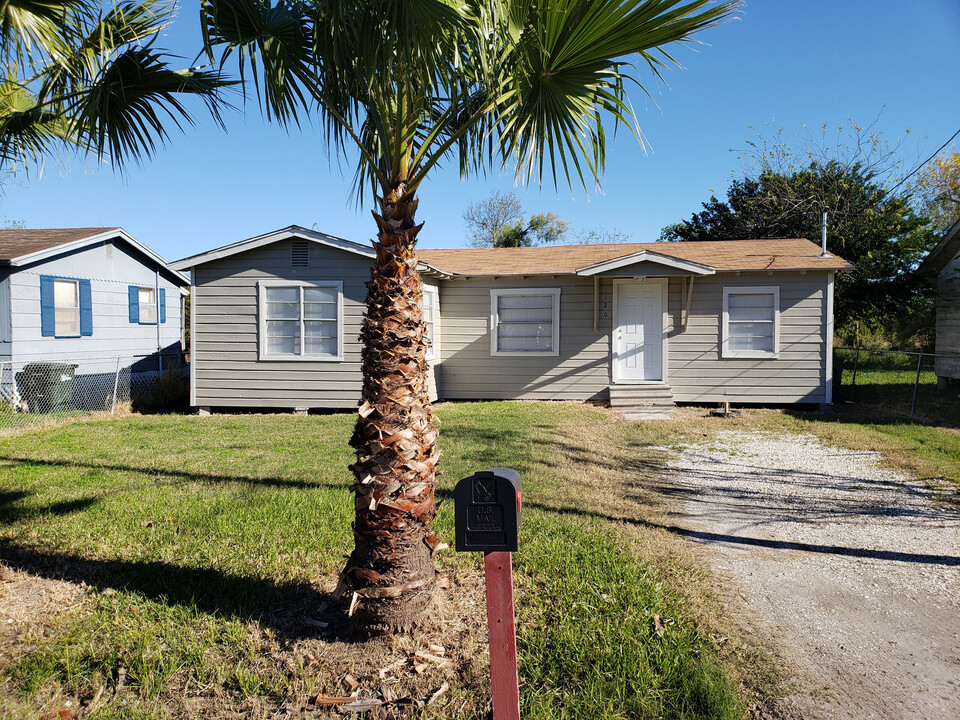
point(652, 401)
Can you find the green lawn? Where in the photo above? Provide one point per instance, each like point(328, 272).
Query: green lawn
point(209, 546)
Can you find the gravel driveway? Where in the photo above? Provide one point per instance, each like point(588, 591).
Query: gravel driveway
point(852, 571)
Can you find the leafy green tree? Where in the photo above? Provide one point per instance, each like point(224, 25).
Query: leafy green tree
point(407, 86)
point(877, 231)
point(497, 221)
point(937, 190)
point(77, 76)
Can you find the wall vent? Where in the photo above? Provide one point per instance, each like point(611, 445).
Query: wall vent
point(108, 251)
point(300, 254)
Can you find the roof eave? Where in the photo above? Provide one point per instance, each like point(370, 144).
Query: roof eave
point(46, 253)
point(937, 259)
point(433, 271)
point(268, 239)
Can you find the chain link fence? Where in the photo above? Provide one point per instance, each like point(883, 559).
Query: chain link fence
point(31, 391)
point(904, 382)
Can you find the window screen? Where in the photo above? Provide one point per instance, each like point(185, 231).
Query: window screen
point(525, 321)
point(750, 322)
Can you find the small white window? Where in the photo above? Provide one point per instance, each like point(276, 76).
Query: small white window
point(301, 321)
point(751, 322)
point(525, 321)
point(147, 302)
point(430, 319)
point(66, 308)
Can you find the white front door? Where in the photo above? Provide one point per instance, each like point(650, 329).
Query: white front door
point(638, 330)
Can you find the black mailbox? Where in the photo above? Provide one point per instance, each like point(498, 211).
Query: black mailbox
point(487, 511)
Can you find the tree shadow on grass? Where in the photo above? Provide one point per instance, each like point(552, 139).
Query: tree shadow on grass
point(11, 511)
point(293, 610)
point(185, 475)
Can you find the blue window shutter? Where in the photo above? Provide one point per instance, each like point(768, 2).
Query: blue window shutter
point(163, 305)
point(86, 308)
point(133, 294)
point(47, 317)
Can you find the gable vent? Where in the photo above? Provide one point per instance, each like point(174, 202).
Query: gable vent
point(300, 254)
point(108, 251)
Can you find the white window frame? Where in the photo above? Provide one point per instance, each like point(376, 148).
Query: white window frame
point(433, 352)
point(153, 305)
point(554, 293)
point(725, 350)
point(262, 320)
point(63, 308)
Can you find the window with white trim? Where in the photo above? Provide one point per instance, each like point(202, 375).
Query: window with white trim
point(147, 304)
point(430, 318)
point(525, 321)
point(301, 320)
point(66, 308)
point(751, 322)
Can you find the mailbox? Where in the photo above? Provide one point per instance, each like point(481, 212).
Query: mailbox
point(487, 511)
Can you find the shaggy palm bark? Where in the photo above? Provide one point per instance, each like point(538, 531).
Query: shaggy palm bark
point(391, 572)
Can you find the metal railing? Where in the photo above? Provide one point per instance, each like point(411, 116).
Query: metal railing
point(36, 388)
point(903, 381)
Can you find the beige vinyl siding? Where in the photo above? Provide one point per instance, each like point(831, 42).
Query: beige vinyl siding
point(948, 321)
point(228, 371)
point(697, 372)
point(469, 371)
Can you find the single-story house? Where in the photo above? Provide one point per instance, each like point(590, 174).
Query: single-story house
point(942, 266)
point(85, 296)
point(275, 322)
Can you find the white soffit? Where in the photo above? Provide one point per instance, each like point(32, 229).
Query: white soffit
point(689, 266)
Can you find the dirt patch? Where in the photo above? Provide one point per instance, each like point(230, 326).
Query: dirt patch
point(850, 570)
point(27, 601)
point(308, 653)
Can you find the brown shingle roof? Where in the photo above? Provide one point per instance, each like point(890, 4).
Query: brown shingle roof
point(728, 255)
point(17, 243)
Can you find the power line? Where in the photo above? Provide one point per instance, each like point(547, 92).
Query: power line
point(918, 167)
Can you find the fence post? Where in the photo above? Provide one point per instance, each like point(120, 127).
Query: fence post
point(916, 385)
point(116, 381)
point(856, 363)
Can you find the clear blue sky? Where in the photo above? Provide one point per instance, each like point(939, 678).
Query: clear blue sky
point(788, 62)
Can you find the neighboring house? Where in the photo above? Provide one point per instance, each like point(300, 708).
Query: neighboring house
point(276, 318)
point(943, 266)
point(88, 297)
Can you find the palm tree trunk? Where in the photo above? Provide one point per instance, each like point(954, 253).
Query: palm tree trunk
point(391, 572)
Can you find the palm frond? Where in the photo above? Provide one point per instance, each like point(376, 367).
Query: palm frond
point(125, 112)
point(36, 29)
point(28, 131)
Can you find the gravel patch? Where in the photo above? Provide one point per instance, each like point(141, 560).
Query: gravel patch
point(850, 570)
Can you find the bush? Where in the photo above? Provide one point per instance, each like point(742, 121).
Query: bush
point(170, 393)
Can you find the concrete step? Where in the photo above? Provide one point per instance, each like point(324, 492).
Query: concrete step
point(641, 399)
point(642, 402)
point(646, 416)
point(631, 390)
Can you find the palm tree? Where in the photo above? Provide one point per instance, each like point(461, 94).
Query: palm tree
point(408, 85)
point(78, 76)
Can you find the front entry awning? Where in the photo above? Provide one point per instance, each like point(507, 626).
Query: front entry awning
point(647, 257)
